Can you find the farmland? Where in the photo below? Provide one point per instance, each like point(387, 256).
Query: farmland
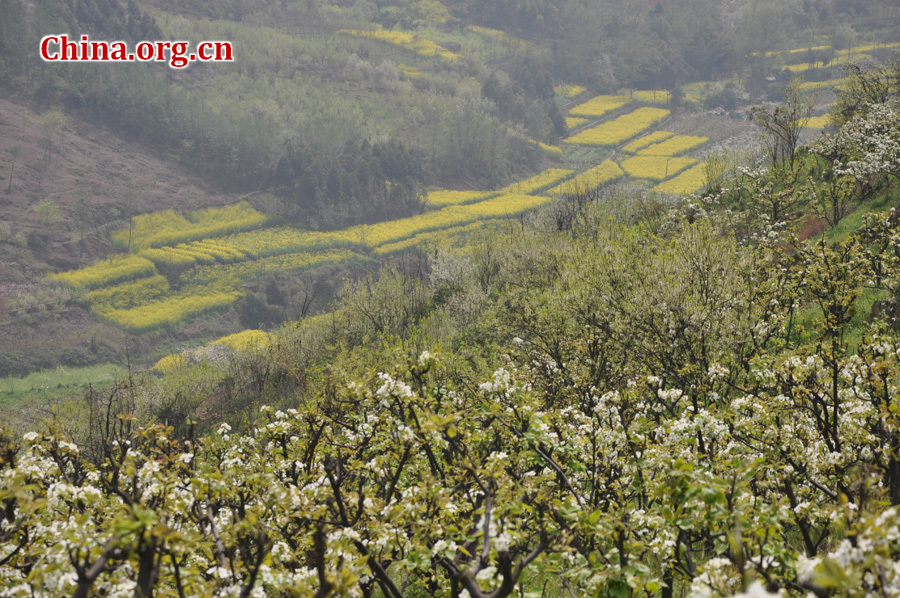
point(538, 182)
point(589, 180)
point(645, 141)
point(446, 197)
point(689, 181)
point(620, 129)
point(169, 228)
point(107, 272)
point(673, 146)
point(570, 91)
point(599, 106)
point(655, 168)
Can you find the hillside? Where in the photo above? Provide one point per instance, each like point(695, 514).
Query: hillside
point(93, 180)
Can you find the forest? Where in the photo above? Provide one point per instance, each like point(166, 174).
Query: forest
point(482, 299)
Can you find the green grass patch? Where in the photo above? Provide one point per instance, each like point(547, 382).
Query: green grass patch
point(852, 221)
point(54, 386)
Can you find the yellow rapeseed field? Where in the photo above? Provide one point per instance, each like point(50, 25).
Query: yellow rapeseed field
point(109, 271)
point(247, 339)
point(446, 239)
point(649, 139)
point(447, 197)
point(655, 168)
point(690, 181)
point(589, 180)
point(818, 122)
point(830, 83)
point(234, 274)
point(372, 235)
point(240, 341)
point(278, 240)
point(410, 72)
point(129, 294)
point(658, 97)
point(841, 59)
point(599, 106)
point(167, 227)
point(538, 182)
point(509, 204)
point(573, 122)
point(620, 129)
point(677, 144)
point(166, 257)
point(168, 311)
point(169, 363)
